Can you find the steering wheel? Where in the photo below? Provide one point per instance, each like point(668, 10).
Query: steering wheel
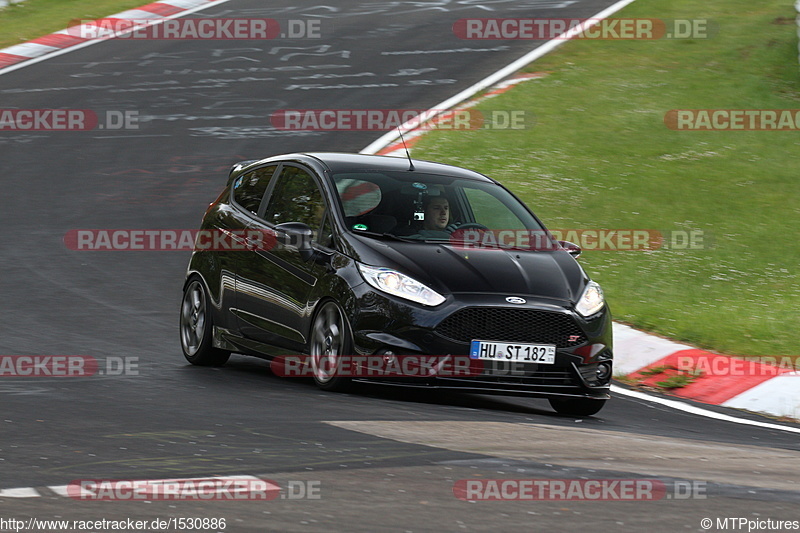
point(473, 225)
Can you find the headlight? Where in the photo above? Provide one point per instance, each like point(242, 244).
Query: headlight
point(592, 300)
point(397, 284)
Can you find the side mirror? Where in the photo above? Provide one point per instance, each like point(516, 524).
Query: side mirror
point(298, 235)
point(572, 249)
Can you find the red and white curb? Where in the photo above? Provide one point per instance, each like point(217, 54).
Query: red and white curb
point(732, 382)
point(726, 381)
point(69, 38)
point(718, 379)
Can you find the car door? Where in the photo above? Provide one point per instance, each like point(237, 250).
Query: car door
point(274, 287)
point(222, 239)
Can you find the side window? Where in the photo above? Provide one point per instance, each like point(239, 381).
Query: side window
point(295, 198)
point(491, 212)
point(248, 190)
point(358, 196)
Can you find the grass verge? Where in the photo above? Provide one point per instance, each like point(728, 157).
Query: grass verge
point(34, 18)
point(600, 156)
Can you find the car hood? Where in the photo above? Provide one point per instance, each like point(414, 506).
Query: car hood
point(452, 269)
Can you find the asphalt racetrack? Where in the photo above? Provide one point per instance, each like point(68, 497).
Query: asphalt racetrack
point(380, 459)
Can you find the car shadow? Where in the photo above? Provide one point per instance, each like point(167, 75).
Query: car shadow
point(260, 368)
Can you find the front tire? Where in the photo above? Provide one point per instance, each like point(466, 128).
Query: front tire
point(577, 406)
point(197, 328)
point(330, 340)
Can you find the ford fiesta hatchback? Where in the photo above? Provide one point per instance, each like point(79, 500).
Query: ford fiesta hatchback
point(347, 267)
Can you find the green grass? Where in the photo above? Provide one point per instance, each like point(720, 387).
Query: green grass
point(677, 381)
point(600, 156)
point(34, 18)
point(655, 370)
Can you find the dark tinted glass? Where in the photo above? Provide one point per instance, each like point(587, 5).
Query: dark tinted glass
point(409, 204)
point(248, 190)
point(296, 198)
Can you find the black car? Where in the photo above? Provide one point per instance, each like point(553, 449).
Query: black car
point(359, 263)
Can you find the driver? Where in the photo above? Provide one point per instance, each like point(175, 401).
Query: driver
point(437, 213)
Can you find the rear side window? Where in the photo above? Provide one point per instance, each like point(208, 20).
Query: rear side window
point(295, 198)
point(249, 189)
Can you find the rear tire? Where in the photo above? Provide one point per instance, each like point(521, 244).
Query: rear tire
point(330, 339)
point(197, 328)
point(577, 406)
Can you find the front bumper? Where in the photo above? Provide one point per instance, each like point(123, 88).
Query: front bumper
point(582, 367)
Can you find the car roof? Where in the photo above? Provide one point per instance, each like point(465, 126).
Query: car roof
point(346, 162)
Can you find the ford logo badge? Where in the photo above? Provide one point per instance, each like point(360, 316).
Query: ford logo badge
point(515, 300)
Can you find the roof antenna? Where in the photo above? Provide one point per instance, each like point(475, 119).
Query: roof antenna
point(410, 163)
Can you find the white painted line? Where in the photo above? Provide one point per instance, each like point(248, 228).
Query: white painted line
point(388, 138)
point(680, 406)
point(509, 69)
point(658, 348)
point(63, 51)
point(64, 490)
point(24, 492)
point(61, 490)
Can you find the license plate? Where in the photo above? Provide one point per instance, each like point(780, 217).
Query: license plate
point(523, 353)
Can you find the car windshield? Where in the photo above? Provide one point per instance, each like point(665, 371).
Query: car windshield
point(435, 208)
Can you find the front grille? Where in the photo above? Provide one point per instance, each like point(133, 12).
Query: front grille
point(511, 325)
